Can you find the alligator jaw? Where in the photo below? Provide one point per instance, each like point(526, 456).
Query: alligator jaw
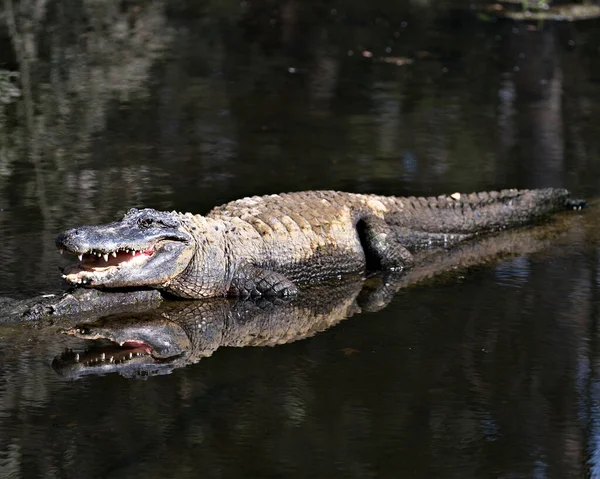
point(110, 355)
point(132, 358)
point(144, 248)
point(129, 345)
point(93, 265)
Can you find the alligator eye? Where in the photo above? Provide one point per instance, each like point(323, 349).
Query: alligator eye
point(146, 223)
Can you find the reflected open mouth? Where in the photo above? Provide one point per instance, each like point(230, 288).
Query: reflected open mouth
point(108, 350)
point(131, 358)
point(94, 264)
point(128, 352)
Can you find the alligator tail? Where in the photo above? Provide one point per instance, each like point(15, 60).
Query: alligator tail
point(474, 213)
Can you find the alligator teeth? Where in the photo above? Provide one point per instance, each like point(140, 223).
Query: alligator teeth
point(130, 355)
point(114, 253)
point(80, 256)
point(112, 359)
point(126, 251)
point(61, 251)
point(77, 357)
point(103, 356)
point(105, 256)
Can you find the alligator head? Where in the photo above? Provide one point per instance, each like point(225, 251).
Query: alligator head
point(145, 248)
point(132, 348)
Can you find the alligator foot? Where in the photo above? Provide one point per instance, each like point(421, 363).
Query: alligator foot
point(254, 282)
point(382, 250)
point(379, 290)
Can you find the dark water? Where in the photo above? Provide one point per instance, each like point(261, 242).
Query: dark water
point(490, 372)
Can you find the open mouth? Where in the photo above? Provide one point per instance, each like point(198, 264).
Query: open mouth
point(128, 352)
point(128, 346)
point(131, 359)
point(94, 264)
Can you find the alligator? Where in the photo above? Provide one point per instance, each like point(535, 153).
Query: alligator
point(176, 334)
point(268, 245)
point(87, 305)
point(184, 332)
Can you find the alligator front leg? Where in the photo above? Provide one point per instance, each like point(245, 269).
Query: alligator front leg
point(252, 281)
point(379, 242)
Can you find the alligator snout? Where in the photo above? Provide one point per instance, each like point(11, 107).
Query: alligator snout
point(77, 240)
point(66, 240)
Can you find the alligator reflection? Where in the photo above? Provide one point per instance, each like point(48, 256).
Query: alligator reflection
point(180, 333)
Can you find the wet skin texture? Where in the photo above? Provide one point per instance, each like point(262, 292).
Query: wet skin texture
point(266, 246)
point(157, 336)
